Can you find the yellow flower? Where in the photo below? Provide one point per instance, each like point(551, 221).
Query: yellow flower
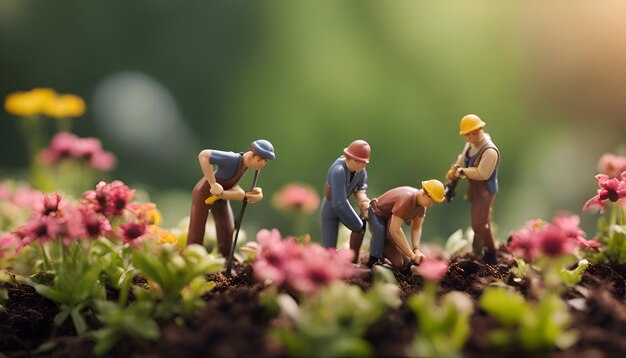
point(67, 105)
point(164, 236)
point(28, 103)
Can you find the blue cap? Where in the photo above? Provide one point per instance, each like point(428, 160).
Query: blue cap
point(263, 148)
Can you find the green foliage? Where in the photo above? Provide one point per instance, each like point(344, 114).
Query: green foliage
point(117, 268)
point(572, 277)
point(75, 281)
point(459, 242)
point(176, 278)
point(444, 325)
point(532, 326)
point(119, 321)
point(614, 238)
point(332, 322)
point(522, 268)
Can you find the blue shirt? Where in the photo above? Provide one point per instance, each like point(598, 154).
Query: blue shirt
point(344, 183)
point(228, 163)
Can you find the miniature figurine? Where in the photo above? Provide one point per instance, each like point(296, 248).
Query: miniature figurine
point(218, 186)
point(386, 215)
point(478, 163)
point(346, 176)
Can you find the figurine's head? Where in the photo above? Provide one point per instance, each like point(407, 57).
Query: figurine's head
point(435, 191)
point(358, 150)
point(262, 152)
point(470, 123)
point(263, 148)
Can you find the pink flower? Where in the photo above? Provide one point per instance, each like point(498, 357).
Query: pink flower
point(523, 241)
point(8, 243)
point(51, 204)
point(95, 224)
point(610, 189)
point(304, 268)
point(132, 232)
point(553, 242)
point(40, 228)
point(109, 199)
point(569, 224)
point(26, 197)
point(66, 145)
point(432, 269)
point(296, 198)
point(560, 237)
point(612, 165)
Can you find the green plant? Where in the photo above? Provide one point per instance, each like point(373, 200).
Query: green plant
point(119, 321)
point(176, 279)
point(72, 281)
point(443, 325)
point(531, 326)
point(572, 277)
point(332, 322)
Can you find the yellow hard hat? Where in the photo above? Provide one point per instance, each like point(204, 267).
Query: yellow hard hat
point(470, 123)
point(435, 190)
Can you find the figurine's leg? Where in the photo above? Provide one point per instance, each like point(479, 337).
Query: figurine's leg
point(393, 254)
point(481, 221)
point(199, 212)
point(356, 239)
point(330, 225)
point(224, 226)
point(378, 228)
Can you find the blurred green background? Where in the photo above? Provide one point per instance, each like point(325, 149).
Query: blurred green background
point(165, 79)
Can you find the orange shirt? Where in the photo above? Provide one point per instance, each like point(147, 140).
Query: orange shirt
point(400, 202)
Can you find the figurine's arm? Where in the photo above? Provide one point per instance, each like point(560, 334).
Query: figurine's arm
point(364, 202)
point(485, 168)
point(416, 235)
point(340, 203)
point(453, 172)
point(204, 158)
point(234, 193)
point(398, 238)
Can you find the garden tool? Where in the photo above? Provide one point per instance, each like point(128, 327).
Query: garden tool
point(229, 263)
point(450, 187)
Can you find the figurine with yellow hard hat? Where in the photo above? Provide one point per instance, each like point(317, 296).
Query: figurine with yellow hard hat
point(386, 215)
point(478, 163)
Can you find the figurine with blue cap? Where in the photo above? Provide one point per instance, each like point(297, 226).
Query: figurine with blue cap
point(220, 183)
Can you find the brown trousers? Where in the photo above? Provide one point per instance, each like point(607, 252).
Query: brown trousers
point(222, 215)
point(482, 203)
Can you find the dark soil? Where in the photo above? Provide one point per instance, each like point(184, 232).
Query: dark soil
point(235, 324)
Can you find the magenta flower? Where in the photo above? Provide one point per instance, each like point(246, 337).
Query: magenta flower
point(553, 242)
point(432, 269)
point(569, 224)
point(304, 268)
point(40, 228)
point(51, 204)
point(95, 224)
point(612, 165)
point(132, 232)
point(66, 145)
point(523, 241)
point(560, 237)
point(109, 199)
point(296, 198)
point(610, 189)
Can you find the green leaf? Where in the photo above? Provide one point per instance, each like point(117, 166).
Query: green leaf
point(78, 320)
point(52, 294)
point(507, 307)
